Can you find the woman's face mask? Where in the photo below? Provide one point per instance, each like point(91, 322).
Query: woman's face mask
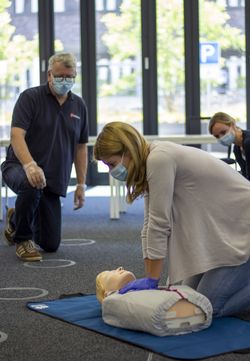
point(227, 139)
point(119, 172)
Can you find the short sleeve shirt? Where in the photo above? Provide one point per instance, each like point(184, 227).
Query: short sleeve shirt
point(52, 132)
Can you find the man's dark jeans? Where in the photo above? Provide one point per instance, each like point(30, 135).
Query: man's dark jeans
point(37, 212)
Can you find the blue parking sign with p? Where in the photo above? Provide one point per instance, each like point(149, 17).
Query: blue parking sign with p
point(209, 52)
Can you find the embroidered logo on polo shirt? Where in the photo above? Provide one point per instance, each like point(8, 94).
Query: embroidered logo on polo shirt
point(72, 115)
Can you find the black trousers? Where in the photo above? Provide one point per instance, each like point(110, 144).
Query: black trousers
point(37, 213)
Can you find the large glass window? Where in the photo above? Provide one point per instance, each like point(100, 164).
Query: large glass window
point(170, 67)
point(67, 33)
point(118, 43)
point(19, 6)
point(59, 6)
point(222, 59)
point(19, 59)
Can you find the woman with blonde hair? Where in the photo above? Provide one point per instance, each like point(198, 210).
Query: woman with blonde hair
point(124, 139)
point(223, 127)
point(196, 214)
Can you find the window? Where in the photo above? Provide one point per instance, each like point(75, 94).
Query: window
point(34, 6)
point(222, 60)
point(111, 5)
point(233, 3)
point(19, 6)
point(119, 93)
point(20, 60)
point(67, 34)
point(59, 6)
point(99, 5)
point(170, 67)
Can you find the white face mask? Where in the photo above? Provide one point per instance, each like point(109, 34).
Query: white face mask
point(62, 87)
point(227, 139)
point(119, 172)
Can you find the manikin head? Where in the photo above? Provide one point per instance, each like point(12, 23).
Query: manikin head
point(110, 281)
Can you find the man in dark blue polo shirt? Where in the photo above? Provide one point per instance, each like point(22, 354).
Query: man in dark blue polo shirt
point(49, 132)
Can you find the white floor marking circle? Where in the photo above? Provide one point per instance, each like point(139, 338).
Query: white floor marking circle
point(41, 293)
point(46, 263)
point(77, 242)
point(3, 336)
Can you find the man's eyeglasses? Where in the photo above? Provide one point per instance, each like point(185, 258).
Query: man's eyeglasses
point(67, 79)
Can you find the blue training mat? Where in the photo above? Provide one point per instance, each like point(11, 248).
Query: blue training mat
point(224, 335)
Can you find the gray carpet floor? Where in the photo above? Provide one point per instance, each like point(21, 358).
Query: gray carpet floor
point(91, 243)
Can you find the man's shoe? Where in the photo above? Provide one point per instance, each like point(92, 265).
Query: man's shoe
point(26, 251)
point(9, 232)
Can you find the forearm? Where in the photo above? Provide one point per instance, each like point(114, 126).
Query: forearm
point(81, 161)
point(19, 145)
point(153, 267)
point(34, 173)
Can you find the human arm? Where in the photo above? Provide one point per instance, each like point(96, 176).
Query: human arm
point(140, 284)
point(158, 204)
point(161, 177)
point(153, 269)
point(33, 172)
point(80, 162)
point(161, 169)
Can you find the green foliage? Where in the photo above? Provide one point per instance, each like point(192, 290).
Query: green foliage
point(123, 86)
point(16, 52)
point(123, 36)
point(214, 26)
point(123, 40)
point(4, 4)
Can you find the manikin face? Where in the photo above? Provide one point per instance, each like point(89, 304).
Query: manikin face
point(116, 279)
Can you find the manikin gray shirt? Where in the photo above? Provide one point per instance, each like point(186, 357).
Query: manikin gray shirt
point(147, 311)
point(196, 213)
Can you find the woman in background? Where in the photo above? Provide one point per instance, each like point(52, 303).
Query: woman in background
point(223, 127)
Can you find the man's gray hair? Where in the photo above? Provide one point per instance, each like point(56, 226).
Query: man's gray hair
point(68, 60)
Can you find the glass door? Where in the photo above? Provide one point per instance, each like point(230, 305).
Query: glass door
point(222, 59)
point(67, 33)
point(170, 67)
point(118, 47)
point(19, 59)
